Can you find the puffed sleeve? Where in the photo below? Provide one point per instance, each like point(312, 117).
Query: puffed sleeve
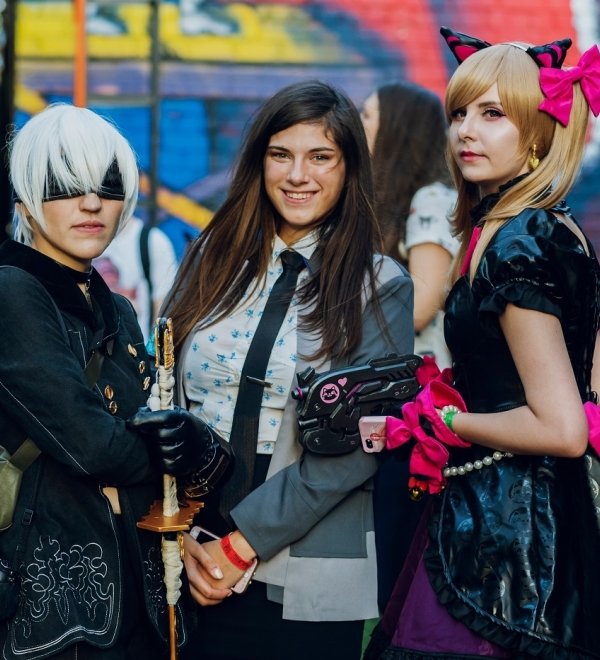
point(428, 220)
point(522, 269)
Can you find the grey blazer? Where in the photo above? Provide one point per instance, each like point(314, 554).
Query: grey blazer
point(311, 522)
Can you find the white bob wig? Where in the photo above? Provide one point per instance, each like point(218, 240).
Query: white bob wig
point(74, 147)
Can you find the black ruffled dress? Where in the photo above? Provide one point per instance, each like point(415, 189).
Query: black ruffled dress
point(510, 567)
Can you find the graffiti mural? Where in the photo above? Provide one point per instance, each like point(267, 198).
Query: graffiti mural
point(220, 59)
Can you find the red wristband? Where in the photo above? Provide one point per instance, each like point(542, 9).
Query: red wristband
point(232, 555)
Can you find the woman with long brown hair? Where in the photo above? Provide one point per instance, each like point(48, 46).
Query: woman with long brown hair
point(414, 197)
point(406, 132)
point(298, 214)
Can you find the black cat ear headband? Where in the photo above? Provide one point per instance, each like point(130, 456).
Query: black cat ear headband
point(555, 83)
point(550, 55)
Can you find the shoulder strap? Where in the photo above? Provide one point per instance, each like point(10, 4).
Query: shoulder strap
point(145, 256)
point(93, 368)
point(26, 453)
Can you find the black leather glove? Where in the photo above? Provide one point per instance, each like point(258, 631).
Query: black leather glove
point(178, 441)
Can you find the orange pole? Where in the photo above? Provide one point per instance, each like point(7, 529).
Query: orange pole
point(80, 64)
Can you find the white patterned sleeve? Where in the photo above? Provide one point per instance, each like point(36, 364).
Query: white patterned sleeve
point(428, 220)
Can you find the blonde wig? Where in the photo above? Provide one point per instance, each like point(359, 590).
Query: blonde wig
point(559, 148)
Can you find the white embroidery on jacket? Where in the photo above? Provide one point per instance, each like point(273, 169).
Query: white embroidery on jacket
point(57, 579)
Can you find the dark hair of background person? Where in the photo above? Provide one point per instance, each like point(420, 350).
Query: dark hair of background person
point(408, 153)
point(244, 227)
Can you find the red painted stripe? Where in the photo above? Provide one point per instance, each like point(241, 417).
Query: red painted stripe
point(537, 22)
point(408, 26)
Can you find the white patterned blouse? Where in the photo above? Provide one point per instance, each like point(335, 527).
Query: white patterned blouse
point(213, 365)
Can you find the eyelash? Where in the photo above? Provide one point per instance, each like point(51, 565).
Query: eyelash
point(319, 158)
point(278, 154)
point(492, 113)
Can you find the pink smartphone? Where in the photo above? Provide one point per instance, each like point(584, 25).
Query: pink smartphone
point(372, 433)
point(200, 534)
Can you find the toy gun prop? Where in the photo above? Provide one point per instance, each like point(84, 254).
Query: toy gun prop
point(330, 404)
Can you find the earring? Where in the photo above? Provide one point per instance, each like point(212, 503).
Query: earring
point(534, 161)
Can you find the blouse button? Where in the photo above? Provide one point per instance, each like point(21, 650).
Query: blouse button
point(109, 392)
point(147, 382)
point(132, 350)
point(113, 407)
point(142, 366)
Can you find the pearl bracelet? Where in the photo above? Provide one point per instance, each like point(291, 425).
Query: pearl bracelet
point(448, 413)
point(476, 465)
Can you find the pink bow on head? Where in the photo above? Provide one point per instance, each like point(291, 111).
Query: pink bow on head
point(557, 86)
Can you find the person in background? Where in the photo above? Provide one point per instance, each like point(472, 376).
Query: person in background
point(508, 566)
point(83, 580)
point(298, 218)
point(143, 279)
point(406, 132)
point(414, 197)
point(110, 274)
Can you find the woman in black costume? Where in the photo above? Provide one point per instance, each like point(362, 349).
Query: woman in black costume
point(509, 565)
point(78, 579)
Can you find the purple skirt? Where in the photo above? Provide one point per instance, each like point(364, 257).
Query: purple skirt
point(415, 621)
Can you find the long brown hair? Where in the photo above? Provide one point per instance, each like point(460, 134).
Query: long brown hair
point(234, 250)
point(559, 148)
point(408, 153)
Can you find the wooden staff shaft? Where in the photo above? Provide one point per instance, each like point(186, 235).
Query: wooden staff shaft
point(172, 633)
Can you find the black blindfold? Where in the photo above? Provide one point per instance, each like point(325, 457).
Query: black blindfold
point(111, 188)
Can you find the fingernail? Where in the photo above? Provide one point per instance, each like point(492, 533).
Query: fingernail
point(217, 573)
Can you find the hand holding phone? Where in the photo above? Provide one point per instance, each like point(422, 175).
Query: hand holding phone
point(202, 535)
point(372, 433)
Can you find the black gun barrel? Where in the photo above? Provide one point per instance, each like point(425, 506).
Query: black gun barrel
point(299, 393)
point(330, 404)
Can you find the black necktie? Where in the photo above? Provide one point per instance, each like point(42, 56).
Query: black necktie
point(244, 429)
